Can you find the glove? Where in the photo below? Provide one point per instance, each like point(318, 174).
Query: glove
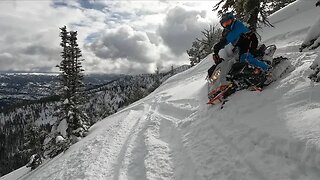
point(216, 48)
point(220, 45)
point(217, 60)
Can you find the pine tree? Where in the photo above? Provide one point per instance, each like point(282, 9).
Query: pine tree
point(204, 46)
point(172, 70)
point(78, 123)
point(194, 53)
point(253, 12)
point(157, 76)
point(248, 11)
point(72, 122)
point(33, 145)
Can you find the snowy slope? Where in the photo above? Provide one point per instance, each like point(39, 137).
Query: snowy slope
point(173, 134)
point(290, 23)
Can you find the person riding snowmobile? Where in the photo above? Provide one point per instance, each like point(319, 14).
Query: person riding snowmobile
point(238, 35)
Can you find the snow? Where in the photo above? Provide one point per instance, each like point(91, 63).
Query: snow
point(315, 63)
point(17, 173)
point(59, 139)
point(313, 35)
point(174, 134)
point(291, 21)
point(62, 128)
point(66, 101)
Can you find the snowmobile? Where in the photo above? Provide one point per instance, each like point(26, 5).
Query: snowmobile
point(231, 75)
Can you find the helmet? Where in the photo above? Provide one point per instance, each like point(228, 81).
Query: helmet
point(226, 19)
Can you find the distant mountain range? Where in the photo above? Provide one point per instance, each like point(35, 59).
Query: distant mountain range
point(21, 87)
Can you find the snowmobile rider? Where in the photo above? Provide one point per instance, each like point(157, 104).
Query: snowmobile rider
point(239, 36)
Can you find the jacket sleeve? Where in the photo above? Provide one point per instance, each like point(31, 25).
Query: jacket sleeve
point(220, 45)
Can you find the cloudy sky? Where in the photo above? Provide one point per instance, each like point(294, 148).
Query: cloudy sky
point(128, 37)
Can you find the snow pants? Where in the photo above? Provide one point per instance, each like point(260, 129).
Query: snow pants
point(248, 57)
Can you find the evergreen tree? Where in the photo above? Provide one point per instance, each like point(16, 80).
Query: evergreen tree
point(33, 146)
point(72, 121)
point(157, 76)
point(204, 46)
point(78, 121)
point(253, 12)
point(194, 53)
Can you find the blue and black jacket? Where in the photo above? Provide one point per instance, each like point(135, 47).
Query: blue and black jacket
point(232, 35)
point(240, 36)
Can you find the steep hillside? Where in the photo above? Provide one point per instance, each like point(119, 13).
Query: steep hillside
point(173, 134)
point(103, 100)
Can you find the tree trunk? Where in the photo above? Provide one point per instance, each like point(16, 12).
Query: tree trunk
point(253, 7)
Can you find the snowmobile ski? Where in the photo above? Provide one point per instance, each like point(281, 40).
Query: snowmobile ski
point(217, 95)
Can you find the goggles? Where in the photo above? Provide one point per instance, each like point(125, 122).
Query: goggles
point(227, 23)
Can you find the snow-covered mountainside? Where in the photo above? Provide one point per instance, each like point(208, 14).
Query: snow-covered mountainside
point(22, 87)
point(103, 100)
point(174, 134)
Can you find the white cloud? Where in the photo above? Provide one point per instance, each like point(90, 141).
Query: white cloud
point(30, 33)
point(181, 27)
point(115, 36)
point(124, 42)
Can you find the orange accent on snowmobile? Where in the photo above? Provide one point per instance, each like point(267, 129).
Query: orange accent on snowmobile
point(218, 94)
point(255, 88)
point(220, 88)
point(258, 89)
point(256, 71)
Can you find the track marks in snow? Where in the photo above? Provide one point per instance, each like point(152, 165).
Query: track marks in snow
point(177, 111)
point(158, 160)
point(133, 148)
point(153, 147)
point(100, 154)
point(171, 134)
point(167, 158)
point(110, 145)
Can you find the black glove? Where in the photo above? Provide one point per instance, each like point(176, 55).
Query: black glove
point(216, 48)
point(217, 60)
point(220, 45)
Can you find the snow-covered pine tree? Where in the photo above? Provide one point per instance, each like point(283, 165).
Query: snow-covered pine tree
point(33, 144)
point(78, 124)
point(253, 12)
point(72, 121)
point(204, 46)
point(194, 53)
point(211, 37)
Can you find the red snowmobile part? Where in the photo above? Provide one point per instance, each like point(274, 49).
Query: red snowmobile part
point(255, 88)
point(218, 94)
